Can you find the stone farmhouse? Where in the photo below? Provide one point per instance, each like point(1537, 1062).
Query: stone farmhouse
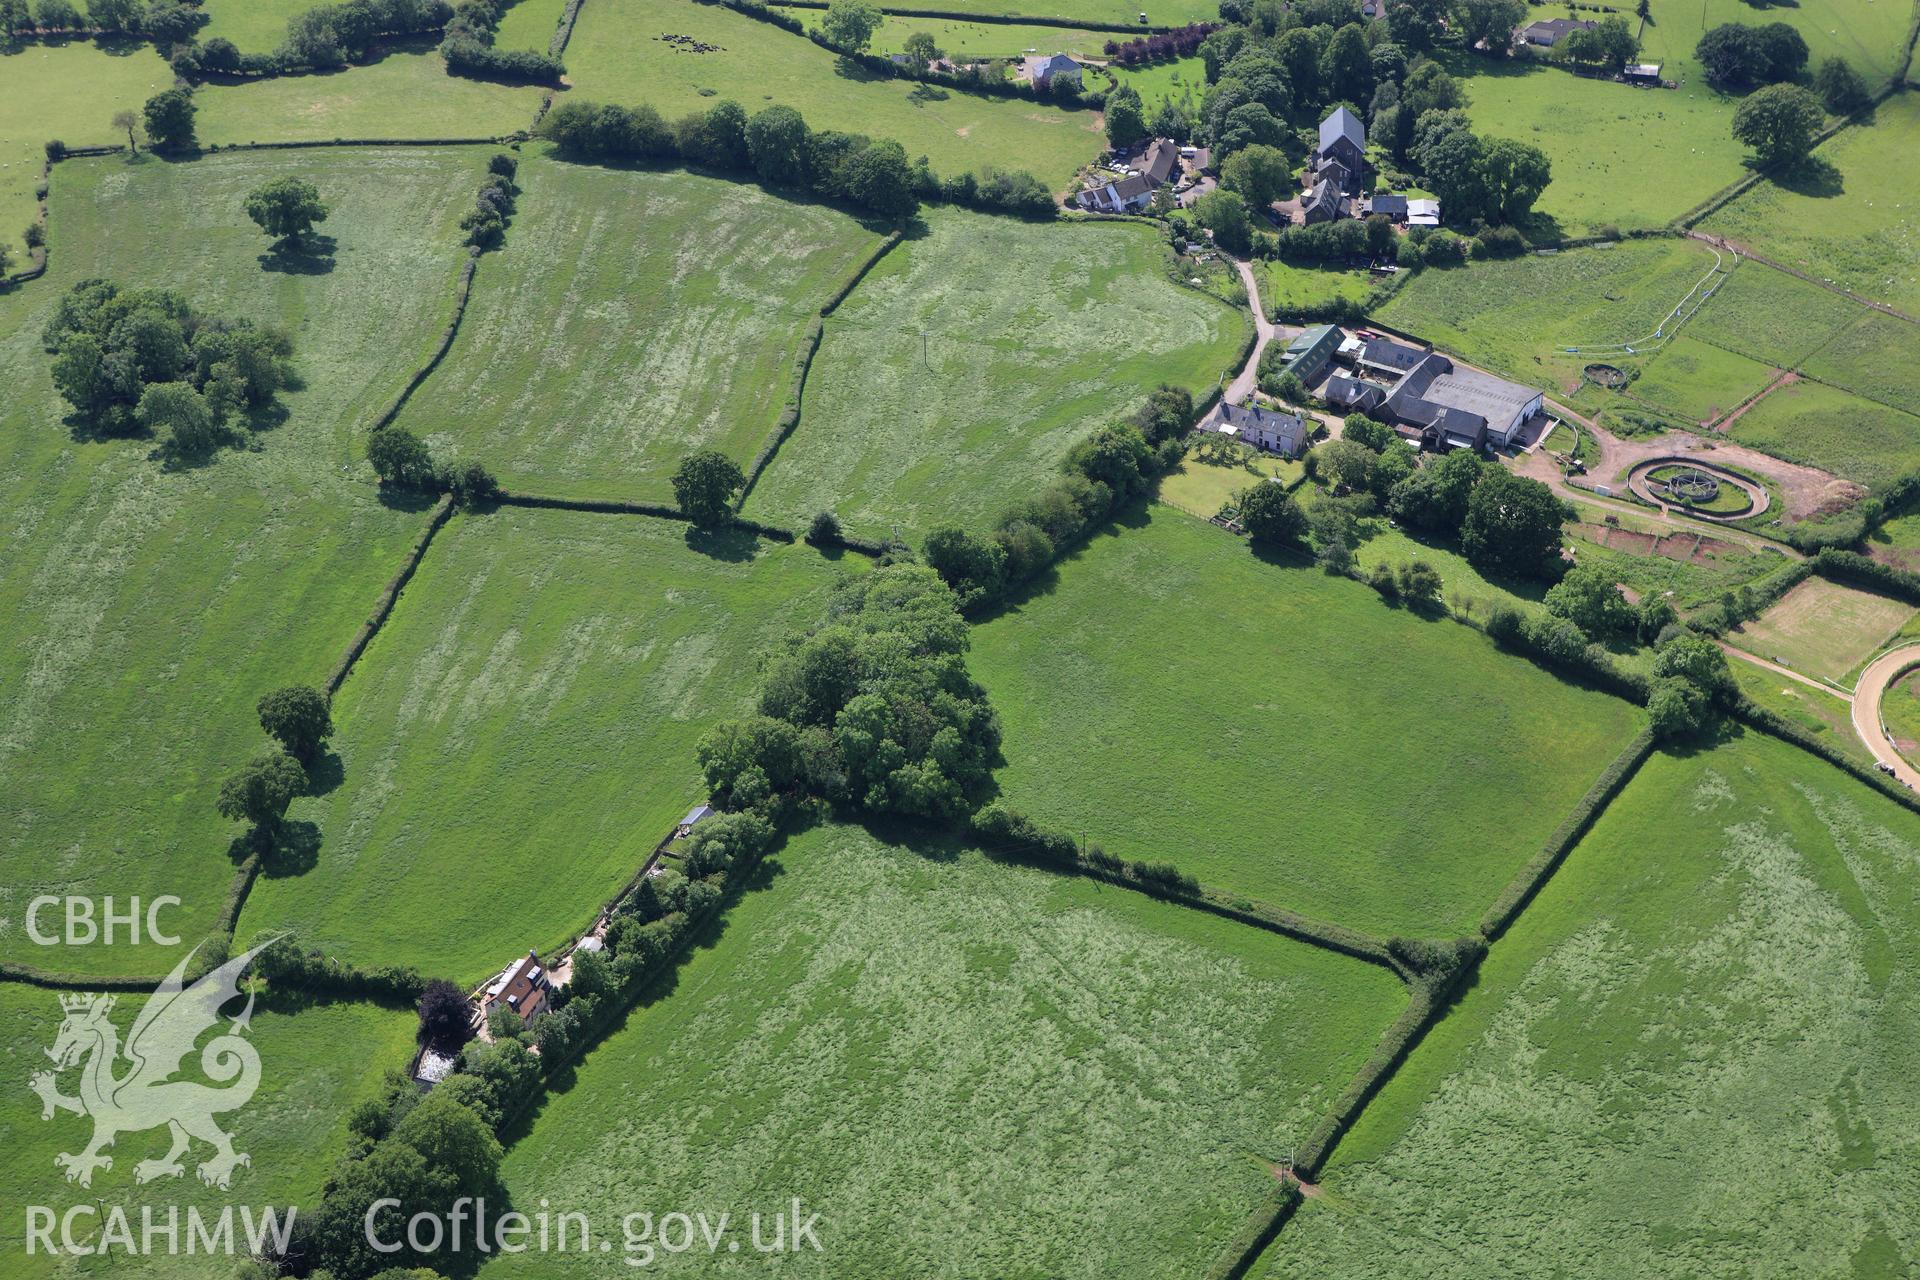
point(1283, 433)
point(1548, 32)
point(1134, 191)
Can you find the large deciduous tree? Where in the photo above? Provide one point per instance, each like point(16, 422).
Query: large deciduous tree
point(704, 485)
point(260, 793)
point(298, 717)
point(850, 24)
point(1513, 525)
point(169, 119)
point(1779, 122)
point(286, 208)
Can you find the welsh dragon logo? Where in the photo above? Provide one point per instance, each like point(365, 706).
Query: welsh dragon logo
point(145, 1096)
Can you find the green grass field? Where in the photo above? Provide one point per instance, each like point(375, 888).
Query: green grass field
point(1684, 1060)
point(1622, 156)
point(1120, 12)
point(316, 1062)
point(964, 1068)
point(631, 319)
point(617, 55)
point(1823, 629)
point(1515, 316)
point(1834, 430)
point(1897, 541)
point(149, 608)
point(406, 94)
point(1771, 316)
point(1876, 357)
point(1698, 381)
point(1900, 713)
point(1034, 335)
point(256, 26)
point(965, 41)
point(1826, 717)
point(1870, 34)
point(69, 92)
point(522, 730)
point(1285, 289)
point(529, 24)
point(1284, 734)
point(1862, 232)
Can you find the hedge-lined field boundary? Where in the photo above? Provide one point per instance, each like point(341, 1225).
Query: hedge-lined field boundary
point(789, 418)
point(1533, 877)
point(1262, 1227)
point(383, 607)
point(462, 290)
point(624, 507)
point(1763, 720)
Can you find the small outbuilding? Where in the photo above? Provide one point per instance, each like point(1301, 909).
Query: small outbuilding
point(1311, 352)
point(1388, 205)
point(1057, 67)
point(1423, 213)
point(695, 816)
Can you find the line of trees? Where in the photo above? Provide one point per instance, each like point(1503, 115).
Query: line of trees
point(777, 146)
point(1736, 56)
point(1099, 474)
point(1161, 45)
point(321, 38)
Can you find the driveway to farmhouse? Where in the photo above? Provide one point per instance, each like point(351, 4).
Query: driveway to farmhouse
point(1880, 673)
point(1248, 378)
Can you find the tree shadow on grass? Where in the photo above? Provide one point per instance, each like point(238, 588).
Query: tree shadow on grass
point(732, 544)
point(848, 69)
point(1814, 177)
point(397, 498)
point(325, 774)
point(295, 851)
point(311, 257)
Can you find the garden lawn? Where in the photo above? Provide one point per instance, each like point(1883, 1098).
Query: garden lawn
point(1284, 734)
point(1202, 488)
point(617, 55)
point(1182, 81)
point(1861, 232)
point(1822, 628)
point(256, 26)
point(1516, 316)
point(1622, 157)
point(1698, 381)
point(69, 92)
point(1688, 1057)
point(1034, 336)
point(1771, 316)
point(1288, 290)
point(965, 41)
point(632, 318)
point(964, 1068)
point(406, 94)
point(1826, 427)
point(316, 1062)
point(147, 609)
point(522, 731)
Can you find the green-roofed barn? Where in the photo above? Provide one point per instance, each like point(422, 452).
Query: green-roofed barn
point(1309, 353)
